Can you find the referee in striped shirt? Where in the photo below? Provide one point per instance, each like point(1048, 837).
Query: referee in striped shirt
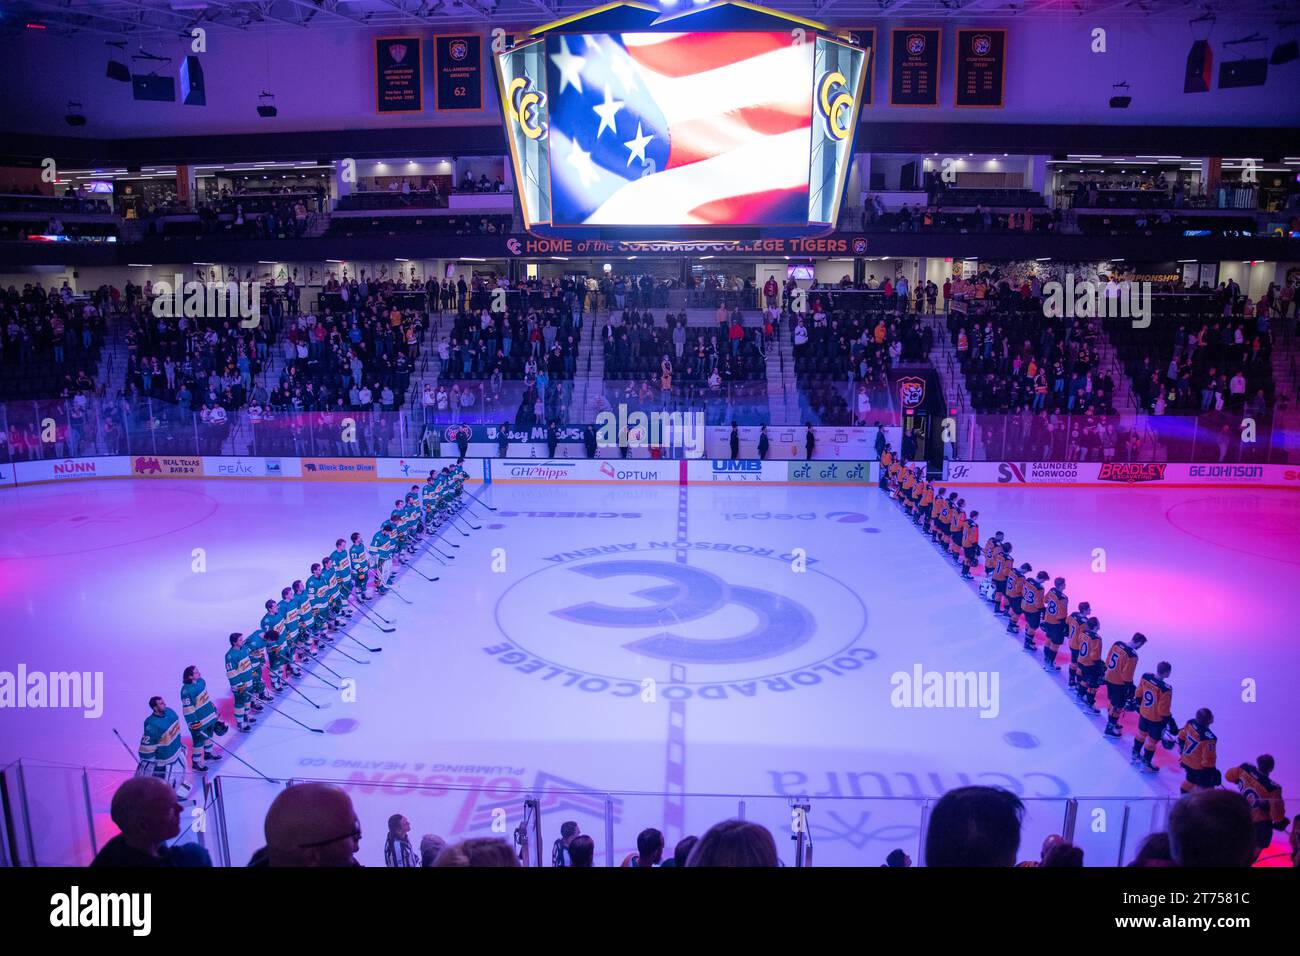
point(397, 848)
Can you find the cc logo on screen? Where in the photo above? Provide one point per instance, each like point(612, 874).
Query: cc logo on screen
point(836, 104)
point(526, 104)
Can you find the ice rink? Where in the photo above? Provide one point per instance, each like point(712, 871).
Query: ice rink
point(676, 655)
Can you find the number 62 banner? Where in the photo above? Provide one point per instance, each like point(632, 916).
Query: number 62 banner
point(458, 68)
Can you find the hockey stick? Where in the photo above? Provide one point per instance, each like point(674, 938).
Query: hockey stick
point(314, 730)
point(478, 500)
point(302, 695)
point(422, 574)
point(440, 553)
point(134, 756)
point(308, 673)
point(474, 526)
point(372, 650)
point(231, 753)
point(373, 623)
point(350, 657)
point(330, 669)
point(393, 590)
point(376, 613)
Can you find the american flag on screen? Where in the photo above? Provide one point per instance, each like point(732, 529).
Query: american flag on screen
point(679, 128)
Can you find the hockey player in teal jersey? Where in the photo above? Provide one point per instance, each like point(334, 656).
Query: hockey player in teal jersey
point(256, 644)
point(239, 671)
point(283, 665)
point(412, 512)
point(381, 546)
point(305, 638)
point(429, 503)
point(162, 749)
point(201, 717)
point(461, 476)
point(398, 532)
point(360, 558)
point(329, 574)
point(318, 584)
point(343, 577)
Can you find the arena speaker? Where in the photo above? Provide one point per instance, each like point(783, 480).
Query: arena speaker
point(192, 88)
point(1199, 63)
point(1238, 73)
point(152, 87)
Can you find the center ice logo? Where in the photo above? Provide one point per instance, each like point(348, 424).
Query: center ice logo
point(691, 594)
point(710, 620)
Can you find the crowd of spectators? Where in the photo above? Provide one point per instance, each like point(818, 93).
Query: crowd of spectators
point(484, 350)
point(50, 346)
point(315, 825)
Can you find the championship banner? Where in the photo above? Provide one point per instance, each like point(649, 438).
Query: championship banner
point(166, 466)
point(458, 72)
point(981, 74)
point(914, 67)
point(867, 40)
point(399, 75)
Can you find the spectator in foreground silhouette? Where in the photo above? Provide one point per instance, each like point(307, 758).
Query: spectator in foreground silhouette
point(1153, 851)
point(735, 843)
point(682, 852)
point(431, 845)
point(897, 858)
point(649, 849)
point(974, 826)
point(1211, 828)
point(582, 852)
point(478, 852)
point(147, 812)
point(311, 824)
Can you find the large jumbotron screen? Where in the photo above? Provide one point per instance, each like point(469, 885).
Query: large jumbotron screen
point(681, 129)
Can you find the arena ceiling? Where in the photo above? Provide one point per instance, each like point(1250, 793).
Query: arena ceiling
point(140, 18)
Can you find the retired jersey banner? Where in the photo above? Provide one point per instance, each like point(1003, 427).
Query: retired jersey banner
point(458, 72)
point(914, 67)
point(981, 71)
point(399, 75)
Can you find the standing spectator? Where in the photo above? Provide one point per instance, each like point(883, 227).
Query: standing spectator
point(503, 440)
point(397, 848)
point(764, 443)
point(810, 441)
point(649, 849)
point(560, 853)
point(735, 441)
